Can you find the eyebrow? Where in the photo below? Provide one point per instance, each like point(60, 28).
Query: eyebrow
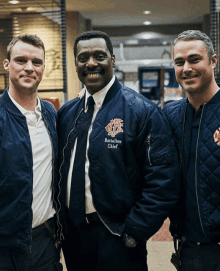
point(190, 56)
point(96, 51)
point(24, 57)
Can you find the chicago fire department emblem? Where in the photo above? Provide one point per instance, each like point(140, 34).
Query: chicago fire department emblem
point(216, 136)
point(114, 127)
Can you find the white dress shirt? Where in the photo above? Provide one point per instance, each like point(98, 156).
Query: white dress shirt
point(42, 205)
point(98, 99)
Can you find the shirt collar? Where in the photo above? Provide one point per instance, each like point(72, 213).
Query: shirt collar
point(100, 95)
point(23, 110)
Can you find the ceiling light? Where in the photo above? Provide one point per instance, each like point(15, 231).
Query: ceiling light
point(131, 42)
point(147, 12)
point(14, 2)
point(31, 9)
point(147, 22)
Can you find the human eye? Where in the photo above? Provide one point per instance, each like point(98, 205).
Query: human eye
point(179, 63)
point(37, 62)
point(82, 58)
point(21, 60)
point(195, 60)
point(100, 56)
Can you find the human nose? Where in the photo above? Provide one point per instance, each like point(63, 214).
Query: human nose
point(29, 66)
point(187, 67)
point(91, 62)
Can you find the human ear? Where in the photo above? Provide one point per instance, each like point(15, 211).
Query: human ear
point(6, 65)
point(113, 61)
point(214, 61)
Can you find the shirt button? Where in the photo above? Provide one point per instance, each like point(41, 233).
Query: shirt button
point(198, 243)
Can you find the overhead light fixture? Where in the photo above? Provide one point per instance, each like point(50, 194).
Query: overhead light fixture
point(14, 2)
point(131, 42)
point(147, 12)
point(31, 9)
point(147, 22)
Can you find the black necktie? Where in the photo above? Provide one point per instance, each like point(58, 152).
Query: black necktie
point(77, 194)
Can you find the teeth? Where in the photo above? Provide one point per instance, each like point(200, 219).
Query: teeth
point(93, 75)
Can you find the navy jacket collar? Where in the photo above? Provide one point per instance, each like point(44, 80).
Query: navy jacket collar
point(10, 106)
point(215, 99)
point(112, 91)
point(110, 94)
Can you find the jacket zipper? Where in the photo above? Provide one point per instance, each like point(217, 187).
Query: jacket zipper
point(117, 234)
point(61, 235)
point(106, 225)
point(181, 152)
point(58, 210)
point(148, 141)
point(114, 233)
point(197, 199)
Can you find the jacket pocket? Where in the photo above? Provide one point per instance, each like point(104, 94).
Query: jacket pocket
point(158, 149)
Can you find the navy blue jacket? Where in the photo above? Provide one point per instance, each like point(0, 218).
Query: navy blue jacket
point(207, 167)
point(133, 172)
point(16, 173)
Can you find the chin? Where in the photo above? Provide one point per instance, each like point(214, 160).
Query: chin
point(30, 89)
point(192, 90)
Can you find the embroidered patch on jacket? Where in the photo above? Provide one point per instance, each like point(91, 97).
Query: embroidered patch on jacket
point(114, 127)
point(216, 136)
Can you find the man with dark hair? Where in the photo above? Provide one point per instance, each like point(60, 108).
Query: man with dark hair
point(93, 35)
point(195, 124)
point(28, 159)
point(117, 167)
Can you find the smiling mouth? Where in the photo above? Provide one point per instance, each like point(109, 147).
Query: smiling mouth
point(93, 75)
point(29, 77)
point(184, 77)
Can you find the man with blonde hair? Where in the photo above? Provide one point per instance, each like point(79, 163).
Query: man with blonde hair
point(28, 159)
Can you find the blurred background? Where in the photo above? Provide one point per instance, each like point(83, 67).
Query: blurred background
point(142, 33)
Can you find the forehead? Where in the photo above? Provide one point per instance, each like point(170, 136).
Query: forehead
point(96, 44)
point(27, 50)
point(183, 48)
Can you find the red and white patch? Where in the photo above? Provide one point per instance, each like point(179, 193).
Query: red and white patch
point(216, 136)
point(114, 127)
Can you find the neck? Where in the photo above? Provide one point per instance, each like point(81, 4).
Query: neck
point(200, 98)
point(27, 101)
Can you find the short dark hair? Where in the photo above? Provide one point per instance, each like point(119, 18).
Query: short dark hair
point(27, 38)
point(88, 35)
point(197, 35)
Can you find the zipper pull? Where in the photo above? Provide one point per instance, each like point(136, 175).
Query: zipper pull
point(148, 141)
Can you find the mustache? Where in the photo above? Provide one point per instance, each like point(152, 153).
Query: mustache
point(93, 70)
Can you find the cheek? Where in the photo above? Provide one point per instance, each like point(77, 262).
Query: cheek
point(177, 73)
point(40, 73)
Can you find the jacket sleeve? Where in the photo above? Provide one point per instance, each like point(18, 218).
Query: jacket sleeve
point(158, 178)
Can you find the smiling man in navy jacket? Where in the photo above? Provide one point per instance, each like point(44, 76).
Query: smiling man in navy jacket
point(28, 161)
point(195, 122)
point(129, 183)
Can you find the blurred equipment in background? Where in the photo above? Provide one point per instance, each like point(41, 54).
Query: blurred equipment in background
point(159, 84)
point(120, 75)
